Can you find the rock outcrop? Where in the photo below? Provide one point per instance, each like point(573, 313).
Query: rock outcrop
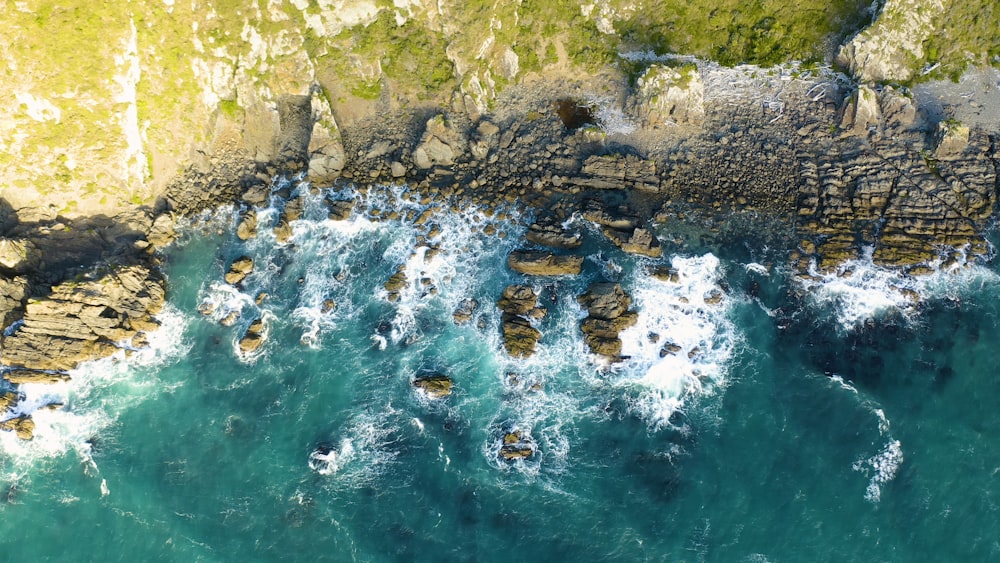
point(540, 263)
point(892, 48)
point(22, 425)
point(668, 95)
point(608, 314)
point(239, 270)
point(83, 320)
point(436, 385)
point(254, 337)
point(518, 303)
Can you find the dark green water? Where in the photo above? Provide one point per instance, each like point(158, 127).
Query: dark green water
point(796, 432)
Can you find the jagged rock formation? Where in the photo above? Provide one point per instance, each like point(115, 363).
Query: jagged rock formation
point(608, 314)
point(540, 263)
point(436, 386)
point(78, 321)
point(518, 303)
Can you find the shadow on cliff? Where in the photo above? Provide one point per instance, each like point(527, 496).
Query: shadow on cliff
point(54, 248)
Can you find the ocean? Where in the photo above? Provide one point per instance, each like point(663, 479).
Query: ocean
point(829, 418)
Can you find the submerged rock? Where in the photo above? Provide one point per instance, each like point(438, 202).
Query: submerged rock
point(463, 314)
point(516, 446)
point(434, 385)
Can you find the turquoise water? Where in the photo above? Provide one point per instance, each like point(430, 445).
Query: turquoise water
point(825, 421)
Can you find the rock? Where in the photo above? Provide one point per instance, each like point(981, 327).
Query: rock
point(515, 446)
point(665, 273)
point(519, 337)
point(84, 320)
point(17, 255)
point(293, 209)
point(619, 218)
point(239, 270)
point(463, 314)
point(328, 306)
point(553, 236)
point(639, 241)
point(13, 294)
point(161, 233)
point(713, 297)
point(952, 138)
point(605, 300)
point(862, 112)
point(434, 385)
point(607, 347)
point(539, 263)
point(396, 283)
point(282, 231)
point(887, 49)
point(669, 349)
point(517, 300)
point(23, 426)
point(21, 376)
point(247, 227)
point(341, 210)
point(397, 169)
point(253, 338)
point(439, 146)
point(666, 95)
point(8, 400)
point(608, 328)
point(230, 318)
point(617, 172)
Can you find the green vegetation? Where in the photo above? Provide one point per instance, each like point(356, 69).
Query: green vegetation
point(968, 32)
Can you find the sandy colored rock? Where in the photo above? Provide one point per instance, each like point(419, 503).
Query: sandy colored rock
point(540, 263)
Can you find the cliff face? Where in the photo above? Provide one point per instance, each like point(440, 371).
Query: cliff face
point(105, 104)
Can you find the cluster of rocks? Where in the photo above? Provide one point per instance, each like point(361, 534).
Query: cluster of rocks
point(519, 304)
point(608, 314)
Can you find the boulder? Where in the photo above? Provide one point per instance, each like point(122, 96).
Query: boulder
point(620, 218)
point(516, 446)
point(8, 400)
point(253, 338)
point(340, 210)
point(239, 270)
point(436, 386)
point(396, 283)
point(862, 112)
point(161, 232)
point(247, 226)
point(952, 138)
point(540, 263)
point(20, 376)
point(17, 255)
point(608, 328)
point(517, 300)
point(23, 426)
point(605, 300)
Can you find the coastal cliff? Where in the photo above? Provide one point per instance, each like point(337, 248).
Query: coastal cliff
point(633, 114)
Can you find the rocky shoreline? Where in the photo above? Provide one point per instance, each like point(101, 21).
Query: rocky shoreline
point(808, 165)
